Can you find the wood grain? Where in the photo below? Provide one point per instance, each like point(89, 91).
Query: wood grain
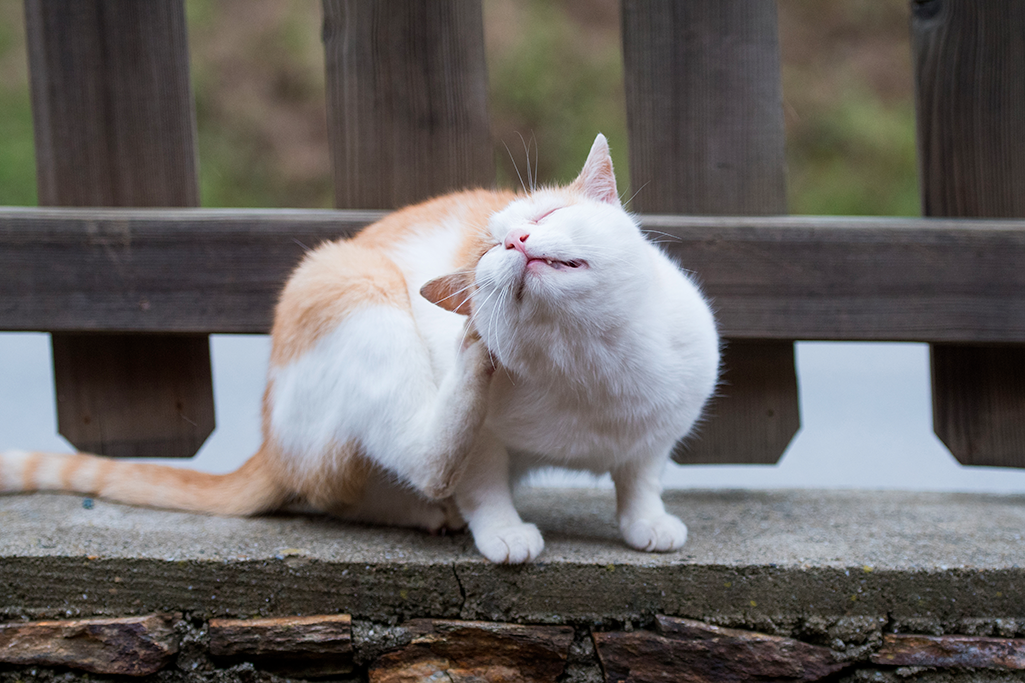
point(971, 112)
point(704, 107)
point(704, 111)
point(766, 369)
point(769, 278)
point(114, 126)
point(161, 416)
point(407, 100)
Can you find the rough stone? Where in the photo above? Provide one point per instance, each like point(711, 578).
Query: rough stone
point(133, 646)
point(692, 651)
point(951, 651)
point(478, 652)
point(322, 635)
point(299, 646)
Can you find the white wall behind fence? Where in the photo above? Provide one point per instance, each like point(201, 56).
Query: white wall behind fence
point(865, 411)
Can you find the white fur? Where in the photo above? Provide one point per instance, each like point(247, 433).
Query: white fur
point(606, 357)
point(603, 367)
point(12, 470)
point(371, 382)
point(424, 257)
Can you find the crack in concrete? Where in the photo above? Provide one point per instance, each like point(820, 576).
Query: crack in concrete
point(462, 590)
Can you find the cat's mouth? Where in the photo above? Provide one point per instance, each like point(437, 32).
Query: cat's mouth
point(557, 264)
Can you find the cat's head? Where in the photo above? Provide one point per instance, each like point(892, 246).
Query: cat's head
point(563, 256)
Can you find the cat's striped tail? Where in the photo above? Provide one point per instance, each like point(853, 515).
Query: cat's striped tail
point(248, 490)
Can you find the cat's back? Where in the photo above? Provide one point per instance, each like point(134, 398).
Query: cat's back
point(384, 265)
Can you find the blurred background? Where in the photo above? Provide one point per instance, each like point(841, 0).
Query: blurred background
point(556, 79)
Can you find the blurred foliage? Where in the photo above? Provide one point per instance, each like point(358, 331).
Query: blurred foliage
point(17, 148)
point(556, 79)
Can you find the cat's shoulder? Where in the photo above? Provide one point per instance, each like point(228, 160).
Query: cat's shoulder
point(472, 208)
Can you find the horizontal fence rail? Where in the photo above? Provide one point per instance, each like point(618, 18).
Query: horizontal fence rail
point(778, 277)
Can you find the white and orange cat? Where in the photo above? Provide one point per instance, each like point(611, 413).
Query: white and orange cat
point(421, 367)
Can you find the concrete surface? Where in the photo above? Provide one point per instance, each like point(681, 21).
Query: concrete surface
point(768, 560)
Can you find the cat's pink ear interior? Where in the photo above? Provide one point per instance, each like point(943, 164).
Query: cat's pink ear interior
point(451, 292)
point(597, 180)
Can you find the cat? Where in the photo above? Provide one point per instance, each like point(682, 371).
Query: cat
point(420, 368)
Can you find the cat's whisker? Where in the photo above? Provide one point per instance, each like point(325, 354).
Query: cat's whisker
point(670, 237)
point(627, 202)
point(516, 166)
point(537, 155)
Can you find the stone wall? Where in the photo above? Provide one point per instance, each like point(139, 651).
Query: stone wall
point(164, 647)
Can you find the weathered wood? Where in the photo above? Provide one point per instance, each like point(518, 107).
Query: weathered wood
point(978, 402)
point(704, 111)
point(130, 646)
point(407, 100)
point(686, 650)
point(766, 369)
point(298, 646)
point(704, 107)
point(93, 370)
point(781, 278)
point(970, 97)
point(114, 126)
point(475, 651)
point(951, 651)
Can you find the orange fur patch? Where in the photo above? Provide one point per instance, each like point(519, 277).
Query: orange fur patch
point(332, 281)
point(28, 471)
point(339, 277)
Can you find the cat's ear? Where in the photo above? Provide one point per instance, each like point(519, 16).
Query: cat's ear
point(598, 181)
point(451, 292)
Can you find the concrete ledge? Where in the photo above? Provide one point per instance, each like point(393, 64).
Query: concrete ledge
point(800, 584)
point(767, 560)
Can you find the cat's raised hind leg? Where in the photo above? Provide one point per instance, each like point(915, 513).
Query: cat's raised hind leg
point(388, 502)
point(371, 383)
point(643, 519)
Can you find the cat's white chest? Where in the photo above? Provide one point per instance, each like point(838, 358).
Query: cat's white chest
point(590, 427)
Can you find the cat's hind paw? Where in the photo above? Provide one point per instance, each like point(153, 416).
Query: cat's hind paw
point(655, 534)
point(513, 544)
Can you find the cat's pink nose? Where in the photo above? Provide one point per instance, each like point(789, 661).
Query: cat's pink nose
point(515, 239)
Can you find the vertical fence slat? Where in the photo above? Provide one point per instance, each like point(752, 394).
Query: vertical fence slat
point(970, 91)
point(704, 109)
point(115, 126)
point(407, 100)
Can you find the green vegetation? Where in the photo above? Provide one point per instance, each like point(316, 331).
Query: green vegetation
point(17, 148)
point(556, 79)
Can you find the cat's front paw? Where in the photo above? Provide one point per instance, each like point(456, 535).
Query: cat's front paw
point(514, 544)
point(655, 534)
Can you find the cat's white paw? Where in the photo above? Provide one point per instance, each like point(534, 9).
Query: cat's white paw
point(655, 534)
point(513, 544)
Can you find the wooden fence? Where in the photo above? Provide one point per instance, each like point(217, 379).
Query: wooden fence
point(131, 293)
